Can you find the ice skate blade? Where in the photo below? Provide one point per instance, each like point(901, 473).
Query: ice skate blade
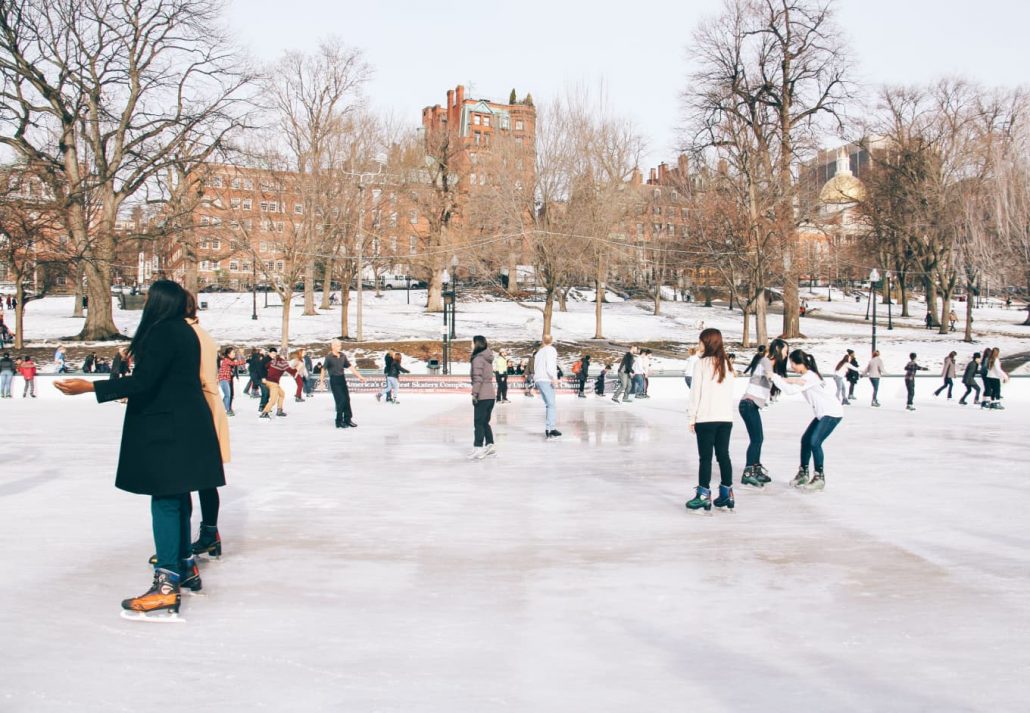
point(728, 511)
point(172, 618)
point(191, 593)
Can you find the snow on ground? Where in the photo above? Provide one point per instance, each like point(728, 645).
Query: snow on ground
point(379, 570)
point(833, 326)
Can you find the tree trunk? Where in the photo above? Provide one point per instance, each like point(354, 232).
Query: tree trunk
point(931, 302)
point(77, 307)
point(309, 289)
point(327, 284)
point(945, 312)
point(968, 336)
point(791, 306)
point(761, 311)
point(657, 298)
point(190, 277)
point(99, 324)
point(284, 339)
point(434, 296)
point(599, 288)
point(563, 300)
point(548, 312)
point(745, 333)
point(904, 297)
point(19, 312)
point(345, 312)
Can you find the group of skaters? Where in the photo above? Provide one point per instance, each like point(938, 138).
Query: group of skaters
point(23, 366)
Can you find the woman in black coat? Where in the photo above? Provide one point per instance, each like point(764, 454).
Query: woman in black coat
point(169, 444)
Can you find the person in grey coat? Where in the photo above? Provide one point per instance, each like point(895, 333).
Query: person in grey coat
point(483, 397)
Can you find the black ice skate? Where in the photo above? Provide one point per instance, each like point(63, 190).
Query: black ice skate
point(750, 479)
point(208, 542)
point(701, 501)
point(725, 499)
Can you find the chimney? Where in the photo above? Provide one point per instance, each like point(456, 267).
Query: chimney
point(683, 164)
point(459, 96)
point(450, 98)
point(635, 178)
point(663, 170)
point(653, 178)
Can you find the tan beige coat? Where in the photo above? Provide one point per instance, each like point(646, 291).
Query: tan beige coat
point(209, 385)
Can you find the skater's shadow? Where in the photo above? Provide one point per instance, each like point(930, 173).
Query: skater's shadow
point(28, 483)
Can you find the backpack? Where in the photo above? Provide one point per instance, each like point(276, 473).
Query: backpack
point(577, 366)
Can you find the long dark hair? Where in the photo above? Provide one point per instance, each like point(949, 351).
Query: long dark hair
point(800, 357)
point(712, 339)
point(166, 300)
point(478, 345)
point(777, 353)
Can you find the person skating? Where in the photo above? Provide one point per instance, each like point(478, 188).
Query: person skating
point(309, 380)
point(262, 369)
point(755, 360)
point(827, 414)
point(710, 413)
point(28, 370)
point(875, 371)
point(226, 366)
point(393, 377)
point(582, 373)
point(545, 373)
point(335, 365)
point(853, 375)
point(910, 380)
point(120, 364)
point(169, 445)
point(948, 374)
point(298, 364)
point(988, 389)
point(61, 361)
point(387, 364)
point(599, 382)
point(483, 396)
point(840, 373)
point(624, 385)
point(500, 367)
point(693, 356)
point(995, 376)
point(7, 371)
point(969, 379)
point(755, 398)
point(253, 387)
point(276, 396)
point(208, 540)
point(528, 379)
point(641, 363)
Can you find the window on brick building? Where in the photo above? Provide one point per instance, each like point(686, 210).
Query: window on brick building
point(236, 183)
point(248, 204)
point(279, 266)
point(519, 141)
point(216, 244)
point(505, 123)
point(412, 244)
point(234, 266)
point(269, 265)
point(486, 121)
point(298, 208)
point(246, 267)
point(248, 184)
point(519, 126)
point(393, 244)
point(476, 119)
point(478, 137)
point(413, 216)
point(393, 219)
point(234, 203)
point(263, 246)
point(472, 179)
point(216, 182)
point(640, 230)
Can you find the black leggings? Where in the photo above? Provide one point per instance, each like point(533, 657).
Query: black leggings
point(502, 386)
point(971, 387)
point(714, 435)
point(209, 503)
point(948, 384)
point(481, 418)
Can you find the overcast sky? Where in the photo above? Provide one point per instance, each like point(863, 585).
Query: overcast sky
point(637, 50)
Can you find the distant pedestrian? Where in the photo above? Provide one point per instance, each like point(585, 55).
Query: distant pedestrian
point(7, 371)
point(484, 395)
point(969, 379)
point(910, 380)
point(227, 364)
point(624, 385)
point(995, 376)
point(874, 370)
point(948, 374)
point(545, 373)
point(582, 372)
point(599, 382)
point(27, 369)
point(500, 369)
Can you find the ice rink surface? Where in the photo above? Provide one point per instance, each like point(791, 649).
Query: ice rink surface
point(377, 569)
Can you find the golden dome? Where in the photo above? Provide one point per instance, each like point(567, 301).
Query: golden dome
point(843, 187)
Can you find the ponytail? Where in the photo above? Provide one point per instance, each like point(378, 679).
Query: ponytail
point(800, 357)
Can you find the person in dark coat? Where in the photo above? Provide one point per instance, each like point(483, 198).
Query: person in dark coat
point(169, 445)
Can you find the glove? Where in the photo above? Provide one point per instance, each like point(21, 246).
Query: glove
point(475, 399)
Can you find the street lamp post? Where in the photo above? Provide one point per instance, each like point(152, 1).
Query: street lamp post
point(890, 302)
point(445, 330)
point(253, 287)
point(360, 263)
point(874, 277)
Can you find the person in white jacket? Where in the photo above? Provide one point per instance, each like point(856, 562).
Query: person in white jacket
point(827, 411)
point(710, 411)
point(545, 372)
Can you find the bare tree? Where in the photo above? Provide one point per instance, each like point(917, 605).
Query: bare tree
point(100, 95)
point(777, 68)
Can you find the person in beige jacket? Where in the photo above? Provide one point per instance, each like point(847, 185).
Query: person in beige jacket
point(209, 542)
point(710, 412)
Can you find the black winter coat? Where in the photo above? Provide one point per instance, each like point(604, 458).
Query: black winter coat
point(169, 445)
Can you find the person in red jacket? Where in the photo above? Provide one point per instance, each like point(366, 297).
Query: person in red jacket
point(27, 369)
point(276, 368)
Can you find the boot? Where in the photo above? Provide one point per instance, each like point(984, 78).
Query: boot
point(761, 473)
point(702, 500)
point(750, 479)
point(208, 542)
point(818, 481)
point(162, 595)
point(725, 499)
point(280, 412)
point(801, 479)
point(189, 575)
